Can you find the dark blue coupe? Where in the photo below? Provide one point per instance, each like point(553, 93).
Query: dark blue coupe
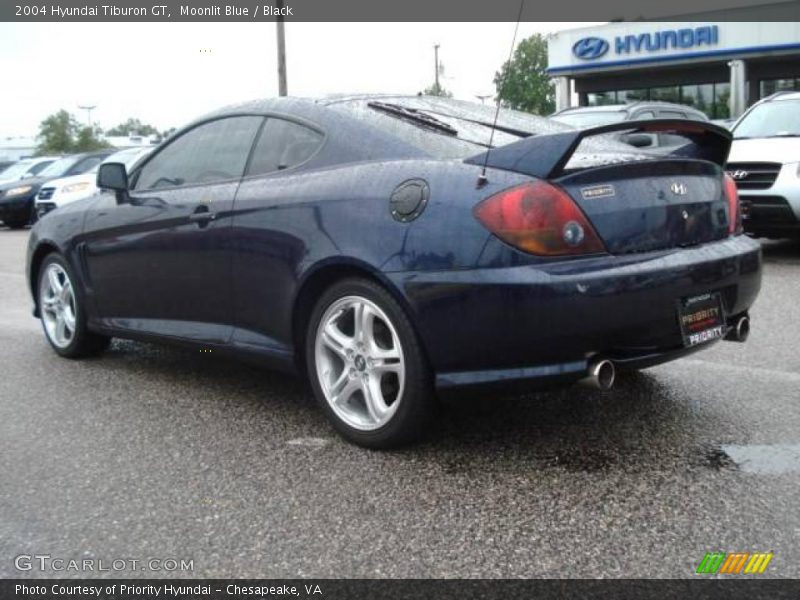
point(392, 246)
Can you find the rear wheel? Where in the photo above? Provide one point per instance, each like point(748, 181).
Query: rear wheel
point(366, 366)
point(62, 312)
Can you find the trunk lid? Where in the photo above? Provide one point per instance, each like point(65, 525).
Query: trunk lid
point(637, 201)
point(654, 205)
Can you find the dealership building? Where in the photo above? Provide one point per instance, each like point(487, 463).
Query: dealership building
point(717, 66)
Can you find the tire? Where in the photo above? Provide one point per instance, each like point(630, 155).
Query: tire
point(61, 308)
point(382, 359)
point(16, 223)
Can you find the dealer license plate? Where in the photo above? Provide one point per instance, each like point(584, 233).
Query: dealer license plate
point(701, 318)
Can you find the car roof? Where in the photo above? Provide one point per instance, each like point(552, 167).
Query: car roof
point(784, 95)
point(629, 107)
point(310, 106)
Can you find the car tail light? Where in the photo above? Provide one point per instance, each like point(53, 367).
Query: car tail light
point(539, 218)
point(734, 210)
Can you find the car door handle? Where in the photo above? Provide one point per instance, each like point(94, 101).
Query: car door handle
point(202, 216)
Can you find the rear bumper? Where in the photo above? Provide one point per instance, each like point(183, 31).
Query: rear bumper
point(547, 321)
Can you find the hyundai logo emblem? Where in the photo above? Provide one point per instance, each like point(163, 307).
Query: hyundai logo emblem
point(590, 48)
point(739, 174)
point(679, 189)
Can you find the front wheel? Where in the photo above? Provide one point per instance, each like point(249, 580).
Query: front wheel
point(367, 367)
point(61, 311)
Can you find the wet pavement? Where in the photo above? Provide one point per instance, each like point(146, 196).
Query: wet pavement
point(159, 452)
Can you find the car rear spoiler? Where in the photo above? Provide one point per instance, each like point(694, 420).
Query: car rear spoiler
point(546, 156)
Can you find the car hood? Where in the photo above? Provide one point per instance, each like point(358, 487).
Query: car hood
point(72, 179)
point(780, 150)
point(34, 182)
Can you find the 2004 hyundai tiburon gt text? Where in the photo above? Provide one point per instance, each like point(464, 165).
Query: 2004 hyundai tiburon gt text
point(379, 245)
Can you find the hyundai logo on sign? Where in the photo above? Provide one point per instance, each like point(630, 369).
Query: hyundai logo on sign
point(590, 48)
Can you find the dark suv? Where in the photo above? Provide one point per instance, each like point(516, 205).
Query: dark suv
point(593, 116)
point(17, 197)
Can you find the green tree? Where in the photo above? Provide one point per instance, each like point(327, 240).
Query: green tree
point(437, 90)
point(57, 134)
point(132, 126)
point(167, 132)
point(522, 82)
point(89, 140)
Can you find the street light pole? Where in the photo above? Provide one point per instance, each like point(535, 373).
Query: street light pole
point(282, 85)
point(88, 110)
point(436, 68)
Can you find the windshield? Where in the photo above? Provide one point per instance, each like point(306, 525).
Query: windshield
point(59, 167)
point(581, 120)
point(16, 170)
point(127, 157)
point(779, 118)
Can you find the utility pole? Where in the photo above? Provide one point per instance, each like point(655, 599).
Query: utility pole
point(88, 110)
point(282, 86)
point(436, 68)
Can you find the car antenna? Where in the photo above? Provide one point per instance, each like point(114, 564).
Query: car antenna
point(482, 181)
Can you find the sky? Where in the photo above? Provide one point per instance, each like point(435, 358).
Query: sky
point(169, 73)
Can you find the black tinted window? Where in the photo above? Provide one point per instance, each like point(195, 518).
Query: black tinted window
point(213, 151)
point(283, 144)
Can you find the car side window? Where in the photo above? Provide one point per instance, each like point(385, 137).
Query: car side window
point(213, 151)
point(645, 114)
point(672, 114)
point(281, 145)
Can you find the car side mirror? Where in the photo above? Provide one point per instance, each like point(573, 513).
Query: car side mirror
point(638, 140)
point(113, 176)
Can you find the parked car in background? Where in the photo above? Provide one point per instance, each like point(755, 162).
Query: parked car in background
point(27, 167)
point(5, 164)
point(376, 244)
point(59, 192)
point(726, 123)
point(594, 116)
point(17, 198)
point(765, 164)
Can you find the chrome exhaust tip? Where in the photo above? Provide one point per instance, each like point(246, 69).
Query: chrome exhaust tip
point(601, 376)
point(740, 331)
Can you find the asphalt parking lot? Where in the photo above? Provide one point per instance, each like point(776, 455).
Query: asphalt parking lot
point(160, 452)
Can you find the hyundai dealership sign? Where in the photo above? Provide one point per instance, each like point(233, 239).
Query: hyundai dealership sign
point(628, 44)
point(591, 48)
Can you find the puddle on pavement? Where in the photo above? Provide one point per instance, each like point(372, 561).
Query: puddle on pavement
point(767, 459)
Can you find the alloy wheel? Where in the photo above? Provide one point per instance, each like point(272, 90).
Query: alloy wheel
point(58, 305)
point(359, 362)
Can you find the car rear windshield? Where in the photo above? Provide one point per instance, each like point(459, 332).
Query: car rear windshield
point(445, 128)
point(448, 128)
